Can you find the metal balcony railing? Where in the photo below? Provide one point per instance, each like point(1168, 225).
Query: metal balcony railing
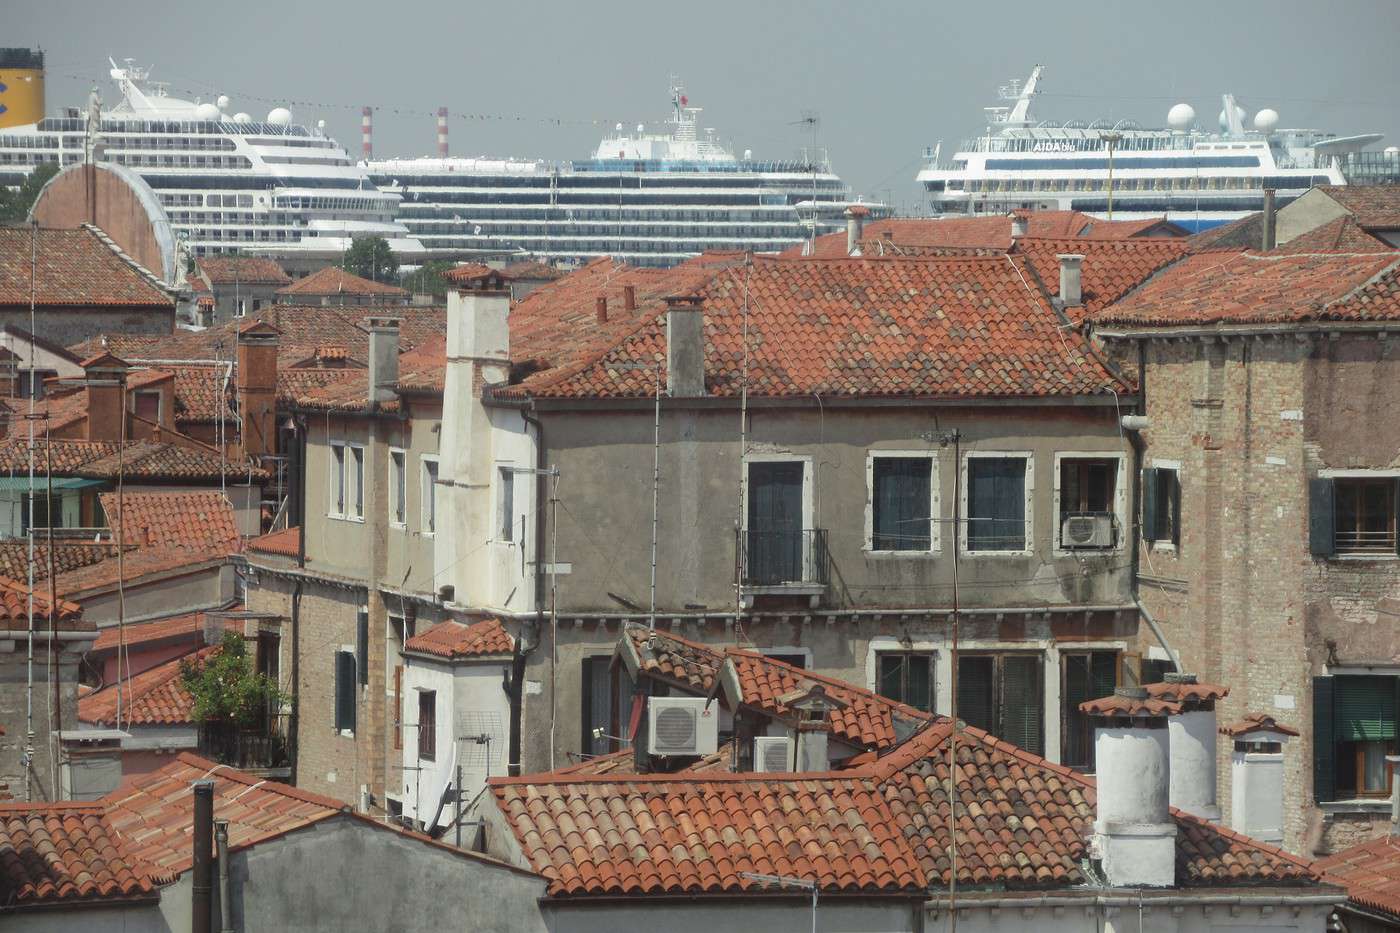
point(258, 749)
point(1358, 541)
point(776, 558)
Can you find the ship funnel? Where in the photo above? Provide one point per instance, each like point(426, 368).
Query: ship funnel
point(367, 133)
point(442, 132)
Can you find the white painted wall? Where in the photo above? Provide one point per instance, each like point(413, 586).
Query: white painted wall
point(1193, 742)
point(508, 582)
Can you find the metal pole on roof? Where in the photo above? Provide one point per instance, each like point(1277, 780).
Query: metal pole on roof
point(201, 887)
point(28, 757)
point(655, 491)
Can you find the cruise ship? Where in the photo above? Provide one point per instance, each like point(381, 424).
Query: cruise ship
point(649, 198)
point(1194, 178)
point(228, 182)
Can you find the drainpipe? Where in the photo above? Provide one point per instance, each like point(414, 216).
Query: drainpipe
point(201, 892)
point(294, 725)
point(225, 908)
point(517, 698)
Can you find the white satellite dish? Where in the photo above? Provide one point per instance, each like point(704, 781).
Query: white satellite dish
point(222, 101)
point(1181, 117)
point(1265, 120)
point(279, 116)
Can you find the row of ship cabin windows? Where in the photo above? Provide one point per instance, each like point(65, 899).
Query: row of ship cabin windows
point(1180, 183)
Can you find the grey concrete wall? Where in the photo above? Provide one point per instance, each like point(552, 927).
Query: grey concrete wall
point(207, 588)
point(342, 874)
point(144, 918)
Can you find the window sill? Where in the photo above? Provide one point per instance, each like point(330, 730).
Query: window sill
point(1377, 558)
point(345, 733)
point(1356, 805)
point(1161, 547)
point(967, 552)
point(401, 526)
point(870, 552)
point(1081, 551)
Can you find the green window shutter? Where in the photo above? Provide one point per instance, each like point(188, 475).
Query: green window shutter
point(920, 692)
point(1022, 712)
point(1324, 741)
point(1365, 708)
point(345, 691)
point(362, 643)
point(975, 696)
point(1322, 535)
point(1104, 673)
point(1149, 504)
point(1175, 493)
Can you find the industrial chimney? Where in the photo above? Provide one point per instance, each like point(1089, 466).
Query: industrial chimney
point(366, 134)
point(1134, 836)
point(1191, 731)
point(442, 132)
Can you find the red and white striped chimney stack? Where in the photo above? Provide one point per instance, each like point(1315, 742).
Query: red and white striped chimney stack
point(366, 134)
point(442, 132)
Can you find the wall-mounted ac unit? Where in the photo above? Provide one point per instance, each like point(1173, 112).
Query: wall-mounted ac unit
point(1087, 530)
point(682, 726)
point(772, 753)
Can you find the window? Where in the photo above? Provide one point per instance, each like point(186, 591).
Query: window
point(1354, 728)
point(906, 677)
point(1087, 503)
point(427, 725)
point(1084, 676)
point(147, 406)
point(398, 487)
point(901, 503)
point(607, 705)
point(996, 503)
point(357, 482)
point(797, 659)
point(428, 494)
point(240, 309)
point(1003, 694)
point(345, 691)
point(507, 516)
point(1154, 671)
point(337, 508)
point(1161, 506)
point(1353, 515)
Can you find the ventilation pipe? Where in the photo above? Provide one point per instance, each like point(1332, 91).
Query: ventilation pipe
point(1134, 836)
point(367, 133)
point(201, 879)
point(1191, 731)
point(1071, 290)
point(685, 347)
point(442, 132)
point(1270, 220)
point(225, 907)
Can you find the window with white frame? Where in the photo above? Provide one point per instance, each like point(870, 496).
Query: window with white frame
point(1087, 491)
point(506, 518)
point(906, 677)
point(398, 487)
point(428, 494)
point(997, 496)
point(347, 481)
point(1354, 514)
point(337, 490)
point(903, 502)
point(357, 482)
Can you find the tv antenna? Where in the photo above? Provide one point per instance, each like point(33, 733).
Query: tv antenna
point(812, 120)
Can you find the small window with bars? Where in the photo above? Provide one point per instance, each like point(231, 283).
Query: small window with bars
point(1353, 516)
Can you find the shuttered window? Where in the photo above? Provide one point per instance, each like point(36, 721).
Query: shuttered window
point(907, 677)
point(507, 475)
point(996, 504)
point(1004, 694)
point(427, 725)
point(362, 643)
point(1161, 506)
point(345, 691)
point(1085, 676)
point(1356, 724)
point(901, 499)
point(606, 704)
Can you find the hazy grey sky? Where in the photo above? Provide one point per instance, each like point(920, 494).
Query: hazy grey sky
point(887, 78)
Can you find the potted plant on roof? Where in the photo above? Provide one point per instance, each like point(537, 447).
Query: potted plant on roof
point(231, 705)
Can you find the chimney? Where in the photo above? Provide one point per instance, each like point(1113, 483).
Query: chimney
point(1256, 775)
point(601, 309)
point(202, 870)
point(629, 298)
point(1134, 836)
point(256, 387)
point(105, 376)
point(1191, 732)
point(383, 360)
point(855, 227)
point(685, 346)
point(1071, 292)
point(1270, 220)
point(1020, 224)
point(442, 132)
point(813, 707)
point(367, 134)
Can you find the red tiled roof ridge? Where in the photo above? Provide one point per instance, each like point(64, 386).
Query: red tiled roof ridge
point(231, 773)
point(845, 686)
point(285, 542)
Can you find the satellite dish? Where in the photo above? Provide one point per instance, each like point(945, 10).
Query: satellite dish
point(242, 117)
point(1181, 117)
point(222, 101)
point(206, 112)
point(1265, 120)
point(279, 116)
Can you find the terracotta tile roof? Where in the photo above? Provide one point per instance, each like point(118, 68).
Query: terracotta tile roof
point(1119, 704)
point(189, 625)
point(68, 556)
point(1111, 267)
point(243, 270)
point(470, 272)
point(1253, 288)
point(893, 327)
point(196, 521)
point(333, 280)
point(671, 657)
point(1187, 696)
point(698, 835)
point(1375, 207)
point(75, 268)
point(153, 812)
point(455, 641)
point(424, 368)
point(1370, 873)
point(1341, 235)
point(624, 762)
point(1256, 722)
point(149, 460)
point(156, 697)
point(286, 543)
point(67, 855)
point(136, 564)
point(14, 608)
point(200, 396)
point(534, 271)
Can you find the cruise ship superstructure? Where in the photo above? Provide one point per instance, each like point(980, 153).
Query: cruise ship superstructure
point(1192, 177)
point(228, 182)
point(651, 199)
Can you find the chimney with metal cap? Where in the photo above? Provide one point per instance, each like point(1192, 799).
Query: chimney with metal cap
point(600, 307)
point(383, 360)
point(685, 346)
point(202, 867)
point(1270, 220)
point(1071, 291)
point(1020, 225)
point(1134, 835)
point(366, 133)
point(442, 132)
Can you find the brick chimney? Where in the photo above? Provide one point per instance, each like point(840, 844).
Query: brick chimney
point(685, 346)
point(255, 383)
point(600, 310)
point(383, 359)
point(629, 298)
point(1071, 289)
point(105, 376)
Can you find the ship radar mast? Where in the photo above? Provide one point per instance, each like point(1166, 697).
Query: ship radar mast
point(1018, 113)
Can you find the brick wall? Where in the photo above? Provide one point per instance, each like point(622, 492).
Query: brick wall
point(13, 713)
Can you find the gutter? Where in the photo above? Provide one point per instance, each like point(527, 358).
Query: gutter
point(1276, 329)
point(964, 902)
point(722, 403)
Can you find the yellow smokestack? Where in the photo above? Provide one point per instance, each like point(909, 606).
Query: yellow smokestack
point(21, 87)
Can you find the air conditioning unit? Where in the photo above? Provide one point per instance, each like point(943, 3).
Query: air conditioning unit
point(1087, 530)
point(682, 726)
point(772, 753)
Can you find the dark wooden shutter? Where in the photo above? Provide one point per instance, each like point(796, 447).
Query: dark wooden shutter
point(345, 691)
point(1324, 741)
point(1322, 531)
point(901, 503)
point(362, 643)
point(1022, 702)
point(1174, 481)
point(975, 697)
point(1149, 504)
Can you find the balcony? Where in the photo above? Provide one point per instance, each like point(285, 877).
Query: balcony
point(783, 563)
point(261, 751)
